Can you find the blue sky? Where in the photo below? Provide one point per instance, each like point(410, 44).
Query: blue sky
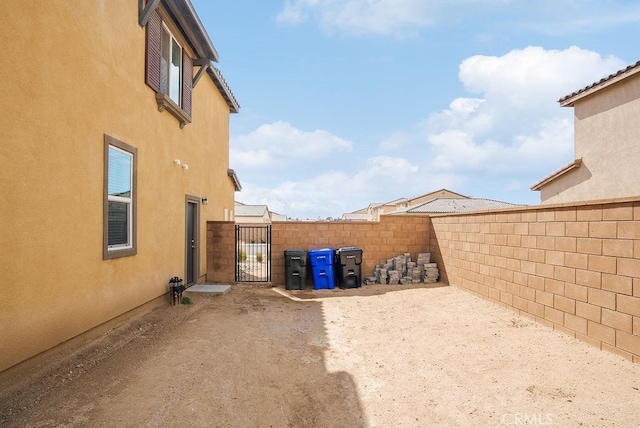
point(348, 102)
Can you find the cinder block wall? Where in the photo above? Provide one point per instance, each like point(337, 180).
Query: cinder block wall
point(575, 268)
point(379, 241)
point(221, 247)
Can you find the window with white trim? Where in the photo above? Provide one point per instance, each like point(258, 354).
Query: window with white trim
point(119, 199)
point(171, 67)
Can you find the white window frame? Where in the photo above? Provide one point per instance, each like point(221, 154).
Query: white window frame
point(130, 247)
point(172, 39)
point(124, 200)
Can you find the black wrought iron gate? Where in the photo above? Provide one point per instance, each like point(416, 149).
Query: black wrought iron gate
point(253, 253)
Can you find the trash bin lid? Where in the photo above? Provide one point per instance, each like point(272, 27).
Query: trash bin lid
point(321, 250)
point(341, 249)
point(294, 251)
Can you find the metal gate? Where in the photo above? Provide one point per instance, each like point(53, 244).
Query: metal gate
point(253, 253)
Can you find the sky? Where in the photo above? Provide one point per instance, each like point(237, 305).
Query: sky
point(350, 102)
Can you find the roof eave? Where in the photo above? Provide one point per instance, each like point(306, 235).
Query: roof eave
point(224, 89)
point(193, 29)
point(557, 174)
point(569, 100)
point(234, 179)
point(192, 26)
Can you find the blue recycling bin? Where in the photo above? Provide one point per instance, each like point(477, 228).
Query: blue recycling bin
point(321, 261)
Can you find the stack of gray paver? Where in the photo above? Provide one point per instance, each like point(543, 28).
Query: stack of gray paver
point(394, 277)
point(402, 270)
point(384, 276)
point(400, 264)
point(416, 275)
point(423, 259)
point(431, 273)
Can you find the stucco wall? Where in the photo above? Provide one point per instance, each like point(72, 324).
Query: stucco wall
point(606, 138)
point(77, 74)
point(574, 268)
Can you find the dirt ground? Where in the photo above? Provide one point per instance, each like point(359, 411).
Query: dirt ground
point(377, 356)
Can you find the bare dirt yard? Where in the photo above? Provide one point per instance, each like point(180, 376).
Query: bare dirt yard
point(378, 356)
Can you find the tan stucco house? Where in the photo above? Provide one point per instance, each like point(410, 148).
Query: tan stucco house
point(375, 210)
point(607, 137)
point(252, 214)
point(114, 155)
point(256, 214)
point(358, 215)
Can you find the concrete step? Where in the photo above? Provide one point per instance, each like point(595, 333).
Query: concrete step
point(208, 288)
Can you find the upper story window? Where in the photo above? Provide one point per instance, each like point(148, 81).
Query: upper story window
point(169, 69)
point(119, 199)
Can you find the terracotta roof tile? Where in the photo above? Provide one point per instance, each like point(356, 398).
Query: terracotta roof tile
point(600, 82)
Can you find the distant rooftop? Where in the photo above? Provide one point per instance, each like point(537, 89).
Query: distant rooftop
point(458, 205)
point(250, 210)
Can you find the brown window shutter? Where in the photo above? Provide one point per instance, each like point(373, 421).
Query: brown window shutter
point(187, 80)
point(154, 51)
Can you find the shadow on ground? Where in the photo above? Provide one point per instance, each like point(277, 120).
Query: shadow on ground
point(366, 290)
point(248, 358)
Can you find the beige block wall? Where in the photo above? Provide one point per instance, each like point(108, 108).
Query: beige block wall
point(221, 248)
point(76, 72)
point(379, 241)
point(574, 268)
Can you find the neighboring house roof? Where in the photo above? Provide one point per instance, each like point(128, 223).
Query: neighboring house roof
point(569, 100)
point(251, 210)
point(457, 205)
point(278, 217)
point(434, 193)
point(395, 201)
point(438, 191)
point(556, 174)
point(361, 214)
point(355, 216)
point(360, 211)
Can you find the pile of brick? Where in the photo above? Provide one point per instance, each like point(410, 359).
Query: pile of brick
point(402, 270)
point(430, 270)
point(394, 277)
point(431, 273)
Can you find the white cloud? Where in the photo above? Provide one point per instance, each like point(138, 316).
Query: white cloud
point(332, 193)
point(460, 152)
point(360, 16)
point(463, 113)
point(530, 77)
point(401, 17)
point(279, 144)
point(516, 131)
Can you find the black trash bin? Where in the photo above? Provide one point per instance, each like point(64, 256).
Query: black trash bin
point(348, 263)
point(295, 269)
